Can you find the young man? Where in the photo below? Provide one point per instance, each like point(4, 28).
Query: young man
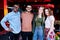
point(27, 18)
point(15, 24)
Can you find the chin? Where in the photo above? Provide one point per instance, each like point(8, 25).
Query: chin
point(28, 10)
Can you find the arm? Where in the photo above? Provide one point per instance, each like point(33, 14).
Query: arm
point(33, 23)
point(52, 25)
point(3, 23)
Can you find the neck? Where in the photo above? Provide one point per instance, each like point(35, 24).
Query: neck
point(28, 11)
point(15, 11)
point(48, 15)
point(39, 15)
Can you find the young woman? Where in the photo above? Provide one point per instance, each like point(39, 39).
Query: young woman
point(38, 33)
point(49, 25)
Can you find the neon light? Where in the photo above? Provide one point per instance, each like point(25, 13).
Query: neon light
point(5, 7)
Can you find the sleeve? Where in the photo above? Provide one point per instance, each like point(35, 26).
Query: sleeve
point(3, 22)
point(52, 19)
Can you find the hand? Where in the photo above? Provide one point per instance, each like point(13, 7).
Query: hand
point(47, 36)
point(54, 28)
point(9, 30)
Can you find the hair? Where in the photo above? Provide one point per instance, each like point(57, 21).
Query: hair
point(43, 11)
point(15, 4)
point(26, 7)
point(50, 11)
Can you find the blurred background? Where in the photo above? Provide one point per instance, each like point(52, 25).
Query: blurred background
point(6, 6)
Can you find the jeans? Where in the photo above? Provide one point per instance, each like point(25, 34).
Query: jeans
point(38, 34)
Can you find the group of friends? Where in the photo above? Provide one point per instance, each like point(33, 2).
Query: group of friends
point(29, 25)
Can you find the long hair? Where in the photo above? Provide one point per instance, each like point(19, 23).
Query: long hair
point(50, 11)
point(42, 12)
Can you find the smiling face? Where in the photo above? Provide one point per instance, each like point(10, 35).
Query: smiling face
point(47, 12)
point(28, 8)
point(41, 10)
point(16, 7)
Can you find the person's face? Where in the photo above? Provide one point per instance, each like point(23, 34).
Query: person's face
point(41, 10)
point(28, 8)
point(47, 12)
point(16, 7)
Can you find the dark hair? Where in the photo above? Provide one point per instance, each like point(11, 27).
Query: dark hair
point(28, 5)
point(16, 4)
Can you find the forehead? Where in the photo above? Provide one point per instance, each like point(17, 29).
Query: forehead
point(16, 6)
point(29, 6)
point(41, 8)
point(46, 10)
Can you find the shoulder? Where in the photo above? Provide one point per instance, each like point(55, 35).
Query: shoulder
point(10, 13)
point(22, 12)
point(32, 14)
point(18, 12)
point(52, 17)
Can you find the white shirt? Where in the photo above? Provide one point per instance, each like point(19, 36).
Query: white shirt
point(14, 21)
point(48, 21)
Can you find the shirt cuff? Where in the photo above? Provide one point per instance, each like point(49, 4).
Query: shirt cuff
point(7, 29)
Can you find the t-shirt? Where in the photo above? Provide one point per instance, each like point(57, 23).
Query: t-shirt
point(27, 22)
point(39, 21)
point(48, 21)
